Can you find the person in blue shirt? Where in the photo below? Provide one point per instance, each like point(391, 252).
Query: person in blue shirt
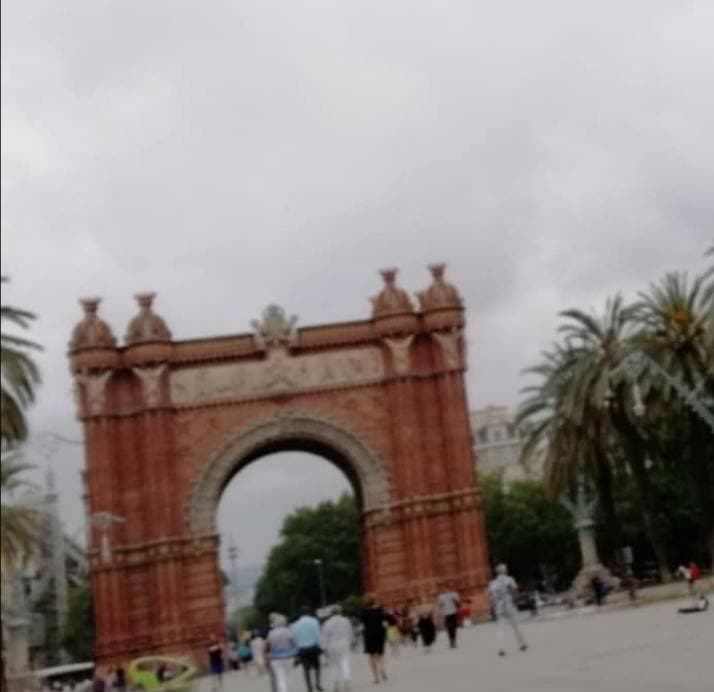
point(306, 633)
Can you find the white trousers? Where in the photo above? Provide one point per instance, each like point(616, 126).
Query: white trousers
point(508, 616)
point(339, 662)
point(281, 667)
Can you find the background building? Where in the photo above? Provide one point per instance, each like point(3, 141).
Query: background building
point(35, 594)
point(497, 444)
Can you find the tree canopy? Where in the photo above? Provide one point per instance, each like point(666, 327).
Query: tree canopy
point(533, 535)
point(620, 401)
point(328, 532)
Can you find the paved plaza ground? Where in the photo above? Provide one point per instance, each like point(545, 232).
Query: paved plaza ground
point(650, 648)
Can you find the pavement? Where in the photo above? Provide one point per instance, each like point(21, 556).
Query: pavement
point(649, 647)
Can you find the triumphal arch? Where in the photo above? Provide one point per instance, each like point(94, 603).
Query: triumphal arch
point(168, 423)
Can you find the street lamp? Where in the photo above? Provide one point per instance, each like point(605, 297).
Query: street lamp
point(318, 562)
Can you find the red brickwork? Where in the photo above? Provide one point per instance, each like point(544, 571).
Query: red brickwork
point(168, 423)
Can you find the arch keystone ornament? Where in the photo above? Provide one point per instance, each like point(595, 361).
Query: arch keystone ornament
point(168, 423)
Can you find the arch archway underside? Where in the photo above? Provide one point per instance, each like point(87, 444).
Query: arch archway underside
point(360, 462)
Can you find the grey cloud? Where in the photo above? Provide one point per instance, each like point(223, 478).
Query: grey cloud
point(234, 154)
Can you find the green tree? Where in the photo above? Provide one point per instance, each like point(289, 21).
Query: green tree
point(581, 410)
point(18, 537)
point(78, 635)
point(533, 535)
point(329, 532)
point(677, 319)
point(20, 375)
point(567, 411)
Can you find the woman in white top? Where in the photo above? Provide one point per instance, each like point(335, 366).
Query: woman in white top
point(337, 641)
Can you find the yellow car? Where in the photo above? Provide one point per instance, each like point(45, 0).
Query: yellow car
point(161, 673)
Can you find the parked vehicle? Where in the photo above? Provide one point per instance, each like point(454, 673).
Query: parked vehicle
point(161, 673)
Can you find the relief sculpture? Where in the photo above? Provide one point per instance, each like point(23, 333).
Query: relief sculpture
point(280, 372)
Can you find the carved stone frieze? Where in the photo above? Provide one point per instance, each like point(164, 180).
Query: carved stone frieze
point(400, 350)
point(94, 392)
point(280, 373)
point(450, 348)
point(151, 384)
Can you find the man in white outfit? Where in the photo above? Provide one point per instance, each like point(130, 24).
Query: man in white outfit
point(337, 643)
point(501, 590)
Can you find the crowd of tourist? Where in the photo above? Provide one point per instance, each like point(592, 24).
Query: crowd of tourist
point(310, 644)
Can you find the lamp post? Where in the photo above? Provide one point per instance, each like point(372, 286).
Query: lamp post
point(321, 576)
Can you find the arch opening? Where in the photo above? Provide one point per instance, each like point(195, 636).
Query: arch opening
point(256, 521)
point(287, 432)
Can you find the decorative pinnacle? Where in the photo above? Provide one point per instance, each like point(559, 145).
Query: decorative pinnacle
point(90, 305)
point(389, 275)
point(437, 270)
point(145, 300)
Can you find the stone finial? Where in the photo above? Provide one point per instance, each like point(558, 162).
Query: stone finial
point(91, 332)
point(440, 294)
point(391, 300)
point(147, 326)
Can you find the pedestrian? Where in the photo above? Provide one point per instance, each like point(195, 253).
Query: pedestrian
point(120, 679)
point(695, 574)
point(280, 648)
point(257, 647)
point(449, 602)
point(394, 637)
point(306, 632)
point(233, 656)
point(337, 638)
point(245, 653)
point(502, 590)
point(465, 613)
point(598, 589)
point(215, 662)
point(427, 627)
point(374, 619)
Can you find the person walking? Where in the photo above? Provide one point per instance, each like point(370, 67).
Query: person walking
point(215, 662)
point(695, 574)
point(306, 632)
point(257, 647)
point(280, 648)
point(394, 637)
point(427, 627)
point(449, 601)
point(501, 589)
point(337, 641)
point(374, 619)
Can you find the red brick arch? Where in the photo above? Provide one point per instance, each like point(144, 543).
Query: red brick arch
point(287, 431)
point(168, 422)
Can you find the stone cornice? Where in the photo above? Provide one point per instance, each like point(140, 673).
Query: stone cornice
point(149, 552)
point(423, 506)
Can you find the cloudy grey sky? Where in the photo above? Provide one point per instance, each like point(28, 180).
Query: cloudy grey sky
point(232, 154)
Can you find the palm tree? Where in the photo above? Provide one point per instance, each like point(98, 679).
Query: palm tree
point(19, 523)
point(580, 412)
point(20, 376)
point(18, 537)
point(677, 318)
